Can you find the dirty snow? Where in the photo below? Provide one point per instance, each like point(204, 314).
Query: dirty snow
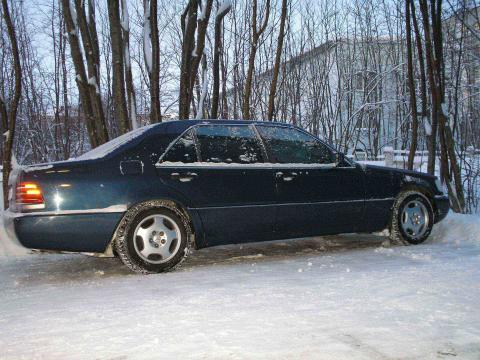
point(342, 297)
point(9, 245)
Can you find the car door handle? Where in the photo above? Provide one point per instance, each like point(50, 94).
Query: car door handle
point(183, 177)
point(286, 177)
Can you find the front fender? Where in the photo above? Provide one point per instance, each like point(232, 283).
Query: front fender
point(413, 183)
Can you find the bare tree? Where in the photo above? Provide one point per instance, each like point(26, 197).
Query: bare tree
point(278, 57)
point(119, 102)
point(71, 23)
point(192, 51)
point(256, 34)
point(152, 57)
point(189, 26)
point(9, 117)
point(449, 168)
point(90, 44)
point(411, 86)
point(129, 88)
point(223, 10)
point(421, 67)
point(62, 128)
point(432, 149)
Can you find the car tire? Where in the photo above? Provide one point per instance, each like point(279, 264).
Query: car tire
point(153, 237)
point(412, 218)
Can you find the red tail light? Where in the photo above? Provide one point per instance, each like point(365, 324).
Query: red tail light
point(29, 193)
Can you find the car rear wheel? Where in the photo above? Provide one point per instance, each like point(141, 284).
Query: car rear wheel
point(412, 218)
point(153, 238)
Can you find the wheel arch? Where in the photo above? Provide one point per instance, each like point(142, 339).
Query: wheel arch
point(417, 187)
point(194, 221)
point(422, 189)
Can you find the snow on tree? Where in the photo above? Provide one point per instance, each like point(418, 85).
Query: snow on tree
point(147, 34)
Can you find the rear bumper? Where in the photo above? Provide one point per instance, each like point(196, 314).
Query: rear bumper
point(442, 206)
point(75, 232)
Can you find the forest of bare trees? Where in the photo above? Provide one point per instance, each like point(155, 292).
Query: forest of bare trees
point(361, 74)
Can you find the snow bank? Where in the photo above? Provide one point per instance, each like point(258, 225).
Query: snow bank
point(9, 245)
point(330, 298)
point(457, 229)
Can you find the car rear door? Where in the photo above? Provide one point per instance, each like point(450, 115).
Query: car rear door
point(314, 195)
point(220, 170)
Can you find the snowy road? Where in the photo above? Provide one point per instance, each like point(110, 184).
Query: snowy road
point(328, 298)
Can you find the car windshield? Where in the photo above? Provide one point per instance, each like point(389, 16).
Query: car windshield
point(107, 148)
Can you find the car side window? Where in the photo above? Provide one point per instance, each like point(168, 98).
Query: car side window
point(183, 150)
point(231, 144)
point(291, 146)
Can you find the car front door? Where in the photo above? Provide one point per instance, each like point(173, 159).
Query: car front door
point(219, 169)
point(315, 195)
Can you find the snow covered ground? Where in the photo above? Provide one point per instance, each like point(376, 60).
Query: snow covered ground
point(343, 297)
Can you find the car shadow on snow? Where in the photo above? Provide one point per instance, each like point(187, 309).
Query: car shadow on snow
point(274, 250)
point(58, 268)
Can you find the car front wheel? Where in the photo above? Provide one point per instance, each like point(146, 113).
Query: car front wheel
point(412, 218)
point(152, 238)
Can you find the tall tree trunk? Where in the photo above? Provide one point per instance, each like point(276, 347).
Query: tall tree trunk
point(411, 87)
point(130, 90)
point(421, 63)
point(278, 57)
point(155, 110)
point(450, 172)
point(198, 53)
point(89, 36)
point(10, 118)
point(57, 36)
point(66, 103)
point(204, 91)
point(118, 75)
point(256, 33)
point(4, 121)
point(224, 87)
point(432, 141)
point(221, 12)
point(192, 52)
point(70, 17)
point(189, 26)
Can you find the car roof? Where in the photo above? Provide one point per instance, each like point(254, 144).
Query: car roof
point(179, 126)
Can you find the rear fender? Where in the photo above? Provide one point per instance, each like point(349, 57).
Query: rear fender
point(194, 220)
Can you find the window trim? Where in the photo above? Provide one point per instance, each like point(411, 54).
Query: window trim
point(267, 164)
